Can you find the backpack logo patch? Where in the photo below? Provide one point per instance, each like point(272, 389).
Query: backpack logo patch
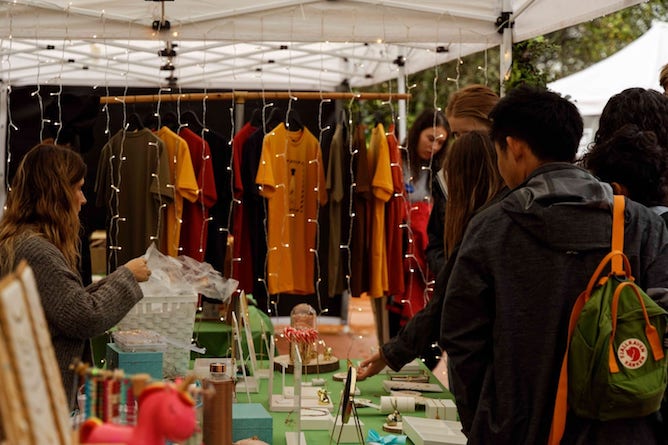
point(632, 353)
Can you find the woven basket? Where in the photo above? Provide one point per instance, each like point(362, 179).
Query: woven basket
point(172, 316)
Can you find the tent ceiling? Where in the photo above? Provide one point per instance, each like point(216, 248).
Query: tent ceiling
point(259, 44)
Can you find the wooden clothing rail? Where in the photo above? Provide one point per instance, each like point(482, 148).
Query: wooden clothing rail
point(242, 96)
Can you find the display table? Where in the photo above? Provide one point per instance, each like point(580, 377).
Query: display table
point(371, 389)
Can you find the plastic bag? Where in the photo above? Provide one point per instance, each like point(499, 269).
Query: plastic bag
point(185, 275)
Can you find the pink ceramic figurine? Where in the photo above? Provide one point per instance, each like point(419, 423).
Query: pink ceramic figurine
point(166, 412)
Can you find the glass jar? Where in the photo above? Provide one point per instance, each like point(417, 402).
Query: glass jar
point(303, 316)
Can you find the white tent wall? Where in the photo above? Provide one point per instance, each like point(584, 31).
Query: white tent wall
point(636, 65)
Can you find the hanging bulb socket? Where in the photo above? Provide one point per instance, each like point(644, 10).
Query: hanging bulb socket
point(167, 52)
point(161, 25)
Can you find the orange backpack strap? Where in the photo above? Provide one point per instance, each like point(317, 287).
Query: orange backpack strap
point(616, 259)
point(618, 232)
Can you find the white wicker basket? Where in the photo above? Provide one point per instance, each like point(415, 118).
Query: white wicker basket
point(172, 316)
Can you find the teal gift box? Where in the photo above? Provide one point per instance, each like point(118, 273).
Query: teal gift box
point(140, 362)
point(251, 419)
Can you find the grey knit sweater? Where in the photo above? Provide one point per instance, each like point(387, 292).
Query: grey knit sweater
point(74, 313)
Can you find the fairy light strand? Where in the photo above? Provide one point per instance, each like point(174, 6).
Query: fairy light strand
point(272, 300)
point(8, 90)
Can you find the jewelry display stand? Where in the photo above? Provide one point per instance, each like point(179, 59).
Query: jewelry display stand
point(284, 402)
point(248, 383)
point(296, 437)
point(264, 373)
point(341, 430)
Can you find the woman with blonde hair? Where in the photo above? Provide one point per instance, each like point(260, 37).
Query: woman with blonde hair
point(41, 226)
point(471, 169)
point(466, 111)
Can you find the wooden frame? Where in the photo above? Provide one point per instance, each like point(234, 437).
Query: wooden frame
point(33, 409)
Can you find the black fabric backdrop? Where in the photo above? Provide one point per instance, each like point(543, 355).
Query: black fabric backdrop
point(84, 125)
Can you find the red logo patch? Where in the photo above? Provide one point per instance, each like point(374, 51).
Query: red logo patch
point(632, 353)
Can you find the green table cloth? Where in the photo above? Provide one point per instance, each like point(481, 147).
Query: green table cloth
point(371, 418)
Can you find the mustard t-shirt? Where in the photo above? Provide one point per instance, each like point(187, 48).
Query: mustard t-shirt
point(291, 177)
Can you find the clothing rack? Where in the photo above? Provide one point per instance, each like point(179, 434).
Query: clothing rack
point(240, 98)
point(243, 96)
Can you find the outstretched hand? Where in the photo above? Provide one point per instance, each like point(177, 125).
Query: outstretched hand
point(139, 268)
point(371, 366)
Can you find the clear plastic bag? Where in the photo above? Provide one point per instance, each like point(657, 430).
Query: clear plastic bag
point(185, 275)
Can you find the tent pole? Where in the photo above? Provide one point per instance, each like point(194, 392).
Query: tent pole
point(506, 58)
point(505, 23)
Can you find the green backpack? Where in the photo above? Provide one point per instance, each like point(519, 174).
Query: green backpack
point(614, 366)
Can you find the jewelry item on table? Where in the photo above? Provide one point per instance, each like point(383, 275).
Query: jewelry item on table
point(314, 412)
point(393, 422)
point(327, 355)
point(395, 416)
point(323, 396)
point(307, 412)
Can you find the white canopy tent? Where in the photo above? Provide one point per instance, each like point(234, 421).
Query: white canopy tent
point(263, 44)
point(636, 65)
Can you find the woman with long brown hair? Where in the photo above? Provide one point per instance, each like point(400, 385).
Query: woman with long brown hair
point(41, 225)
point(470, 166)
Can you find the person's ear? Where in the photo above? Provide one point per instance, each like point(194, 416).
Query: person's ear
point(619, 189)
point(516, 147)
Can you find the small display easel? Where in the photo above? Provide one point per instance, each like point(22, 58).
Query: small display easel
point(347, 409)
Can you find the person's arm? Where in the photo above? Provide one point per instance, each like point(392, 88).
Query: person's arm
point(466, 329)
point(417, 335)
point(435, 251)
point(70, 309)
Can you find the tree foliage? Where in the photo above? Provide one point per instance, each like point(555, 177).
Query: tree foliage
point(538, 60)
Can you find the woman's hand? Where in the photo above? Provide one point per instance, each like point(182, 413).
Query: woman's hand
point(139, 268)
point(371, 366)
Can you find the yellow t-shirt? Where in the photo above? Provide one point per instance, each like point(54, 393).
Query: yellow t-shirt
point(382, 189)
point(291, 176)
point(182, 176)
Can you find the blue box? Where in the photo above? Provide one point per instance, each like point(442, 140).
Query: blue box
point(251, 419)
point(148, 362)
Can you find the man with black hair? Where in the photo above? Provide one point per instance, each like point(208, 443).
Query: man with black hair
point(520, 268)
